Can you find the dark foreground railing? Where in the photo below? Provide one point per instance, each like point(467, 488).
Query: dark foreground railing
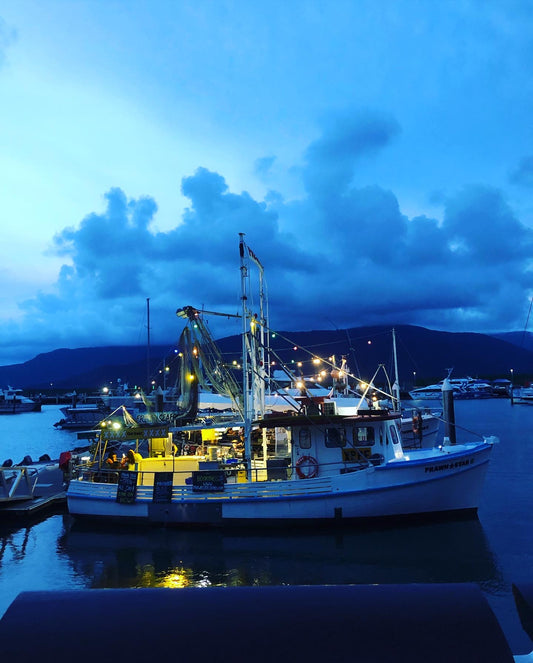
point(359, 623)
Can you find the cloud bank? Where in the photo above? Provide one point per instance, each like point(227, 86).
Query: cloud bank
point(342, 254)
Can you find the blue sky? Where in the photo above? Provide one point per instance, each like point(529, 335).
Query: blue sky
point(378, 154)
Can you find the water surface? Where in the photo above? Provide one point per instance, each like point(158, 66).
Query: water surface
point(492, 550)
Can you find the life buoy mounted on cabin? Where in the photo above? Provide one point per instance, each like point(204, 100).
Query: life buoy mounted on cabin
point(417, 423)
point(307, 467)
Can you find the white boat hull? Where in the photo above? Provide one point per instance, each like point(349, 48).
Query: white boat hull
point(413, 487)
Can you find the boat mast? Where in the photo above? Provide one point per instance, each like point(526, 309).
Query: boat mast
point(259, 374)
point(246, 392)
point(396, 386)
point(253, 351)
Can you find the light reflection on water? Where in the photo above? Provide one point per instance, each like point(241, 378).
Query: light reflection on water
point(441, 552)
point(492, 551)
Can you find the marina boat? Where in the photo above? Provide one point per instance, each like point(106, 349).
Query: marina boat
point(13, 401)
point(82, 417)
point(523, 396)
point(463, 388)
point(319, 464)
point(336, 468)
point(526, 393)
point(502, 388)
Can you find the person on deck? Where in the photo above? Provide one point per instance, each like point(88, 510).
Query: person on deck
point(111, 462)
point(238, 448)
point(130, 460)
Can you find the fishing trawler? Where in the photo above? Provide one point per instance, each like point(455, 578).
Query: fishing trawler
point(328, 465)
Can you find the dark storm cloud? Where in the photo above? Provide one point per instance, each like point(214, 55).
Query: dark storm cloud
point(523, 173)
point(343, 255)
point(346, 139)
point(107, 248)
point(215, 218)
point(484, 229)
point(386, 267)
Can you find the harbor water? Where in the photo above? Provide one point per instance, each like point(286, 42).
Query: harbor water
point(493, 550)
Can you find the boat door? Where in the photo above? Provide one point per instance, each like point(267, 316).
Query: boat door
point(305, 452)
point(318, 449)
point(304, 442)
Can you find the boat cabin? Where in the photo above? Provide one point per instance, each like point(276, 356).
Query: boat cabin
point(326, 445)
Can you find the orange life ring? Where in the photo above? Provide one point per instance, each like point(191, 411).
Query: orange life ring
point(307, 467)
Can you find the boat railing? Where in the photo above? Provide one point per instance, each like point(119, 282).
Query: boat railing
point(276, 470)
point(17, 483)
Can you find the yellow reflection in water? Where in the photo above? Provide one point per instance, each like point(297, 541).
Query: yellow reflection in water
point(176, 578)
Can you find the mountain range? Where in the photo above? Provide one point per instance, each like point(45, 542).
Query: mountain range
point(423, 356)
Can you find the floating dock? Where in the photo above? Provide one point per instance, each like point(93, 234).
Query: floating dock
point(29, 491)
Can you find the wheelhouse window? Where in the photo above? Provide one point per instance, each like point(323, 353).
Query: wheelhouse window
point(363, 436)
point(335, 437)
point(394, 435)
point(304, 438)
